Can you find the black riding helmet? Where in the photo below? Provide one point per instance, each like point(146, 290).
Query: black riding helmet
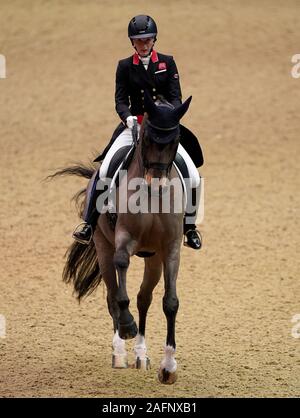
point(142, 26)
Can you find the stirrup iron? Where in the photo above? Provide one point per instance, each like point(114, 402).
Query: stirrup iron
point(85, 242)
point(185, 238)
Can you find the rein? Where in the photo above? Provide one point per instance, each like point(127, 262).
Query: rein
point(135, 135)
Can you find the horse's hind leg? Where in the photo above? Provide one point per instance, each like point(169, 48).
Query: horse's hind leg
point(152, 273)
point(105, 253)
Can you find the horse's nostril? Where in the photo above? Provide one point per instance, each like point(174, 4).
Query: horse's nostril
point(155, 179)
point(148, 178)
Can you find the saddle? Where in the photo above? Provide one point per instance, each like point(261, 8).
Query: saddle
point(121, 161)
point(123, 157)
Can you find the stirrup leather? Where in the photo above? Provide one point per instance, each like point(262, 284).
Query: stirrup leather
point(81, 240)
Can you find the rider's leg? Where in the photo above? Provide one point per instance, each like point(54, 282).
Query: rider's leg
point(193, 237)
point(91, 213)
point(123, 140)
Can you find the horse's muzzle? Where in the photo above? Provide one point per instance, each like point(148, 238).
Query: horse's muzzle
point(156, 185)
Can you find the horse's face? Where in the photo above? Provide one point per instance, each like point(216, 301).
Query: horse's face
point(158, 157)
point(160, 138)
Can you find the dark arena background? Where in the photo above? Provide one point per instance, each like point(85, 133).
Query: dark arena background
point(238, 324)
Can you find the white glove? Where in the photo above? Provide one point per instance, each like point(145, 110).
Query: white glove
point(130, 121)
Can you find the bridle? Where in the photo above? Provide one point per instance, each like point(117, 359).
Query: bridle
point(155, 165)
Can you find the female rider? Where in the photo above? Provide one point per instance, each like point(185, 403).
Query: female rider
point(156, 73)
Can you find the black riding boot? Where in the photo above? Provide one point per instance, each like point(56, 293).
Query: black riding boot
point(90, 214)
point(86, 233)
point(193, 237)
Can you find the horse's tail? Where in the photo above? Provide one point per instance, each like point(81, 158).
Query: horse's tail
point(82, 266)
point(78, 169)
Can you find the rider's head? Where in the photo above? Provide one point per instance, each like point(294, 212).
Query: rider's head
point(142, 31)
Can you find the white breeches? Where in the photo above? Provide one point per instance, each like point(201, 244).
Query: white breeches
point(125, 138)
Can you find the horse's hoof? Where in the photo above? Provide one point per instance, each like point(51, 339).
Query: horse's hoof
point(142, 364)
point(119, 361)
point(127, 331)
point(168, 378)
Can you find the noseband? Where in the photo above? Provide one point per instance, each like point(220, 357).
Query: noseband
point(157, 166)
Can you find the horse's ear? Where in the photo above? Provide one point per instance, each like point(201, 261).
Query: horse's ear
point(150, 106)
point(182, 109)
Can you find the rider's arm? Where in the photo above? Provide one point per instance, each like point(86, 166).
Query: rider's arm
point(122, 93)
point(174, 89)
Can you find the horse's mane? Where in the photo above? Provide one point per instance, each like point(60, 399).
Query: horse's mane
point(145, 118)
point(162, 101)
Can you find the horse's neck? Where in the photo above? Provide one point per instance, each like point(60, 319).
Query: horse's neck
point(136, 168)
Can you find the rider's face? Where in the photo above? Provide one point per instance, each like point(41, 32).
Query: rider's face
point(143, 46)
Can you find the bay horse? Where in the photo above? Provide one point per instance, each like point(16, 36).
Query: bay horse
point(155, 236)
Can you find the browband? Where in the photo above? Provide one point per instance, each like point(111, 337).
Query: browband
point(162, 129)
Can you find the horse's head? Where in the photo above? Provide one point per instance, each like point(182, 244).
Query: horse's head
point(160, 137)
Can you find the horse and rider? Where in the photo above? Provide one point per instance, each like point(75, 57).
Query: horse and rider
point(146, 72)
point(151, 144)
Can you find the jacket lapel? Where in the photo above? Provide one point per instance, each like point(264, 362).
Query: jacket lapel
point(146, 78)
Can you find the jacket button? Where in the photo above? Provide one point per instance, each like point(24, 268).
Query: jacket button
point(142, 91)
point(154, 89)
point(143, 98)
point(154, 97)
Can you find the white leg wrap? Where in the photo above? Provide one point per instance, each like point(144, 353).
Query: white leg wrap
point(169, 363)
point(119, 356)
point(118, 345)
point(140, 349)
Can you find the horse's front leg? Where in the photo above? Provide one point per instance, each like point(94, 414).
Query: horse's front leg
point(152, 273)
point(126, 325)
point(105, 253)
point(168, 366)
